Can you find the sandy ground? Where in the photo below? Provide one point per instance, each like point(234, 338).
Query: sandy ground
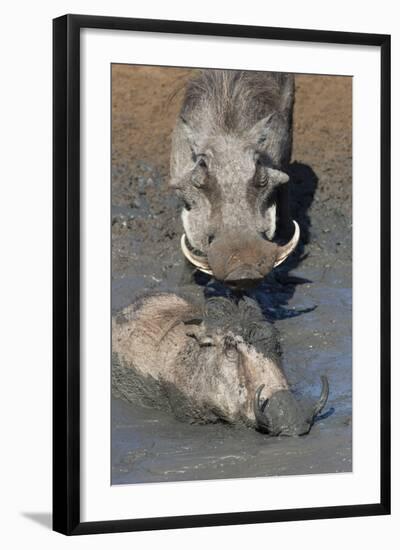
point(309, 298)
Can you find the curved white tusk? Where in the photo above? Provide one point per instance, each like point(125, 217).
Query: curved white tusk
point(285, 250)
point(199, 262)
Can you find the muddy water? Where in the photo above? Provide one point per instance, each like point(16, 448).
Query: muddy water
point(308, 298)
point(311, 306)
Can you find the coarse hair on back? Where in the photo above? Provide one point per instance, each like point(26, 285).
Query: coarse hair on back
point(244, 319)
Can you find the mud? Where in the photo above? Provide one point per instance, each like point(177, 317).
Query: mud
point(309, 297)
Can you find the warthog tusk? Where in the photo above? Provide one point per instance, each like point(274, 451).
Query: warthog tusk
point(199, 261)
point(320, 404)
point(262, 421)
point(285, 250)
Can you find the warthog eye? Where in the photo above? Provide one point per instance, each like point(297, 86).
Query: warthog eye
point(230, 347)
point(261, 177)
point(262, 182)
point(202, 163)
point(184, 200)
point(199, 173)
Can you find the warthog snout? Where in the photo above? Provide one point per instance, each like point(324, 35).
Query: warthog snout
point(282, 414)
point(241, 260)
point(243, 277)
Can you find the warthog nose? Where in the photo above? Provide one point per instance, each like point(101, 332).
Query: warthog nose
point(299, 430)
point(243, 277)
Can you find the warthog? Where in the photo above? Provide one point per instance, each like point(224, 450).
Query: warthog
point(216, 362)
point(231, 147)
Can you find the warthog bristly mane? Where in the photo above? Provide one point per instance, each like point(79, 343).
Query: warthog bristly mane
point(237, 99)
point(244, 319)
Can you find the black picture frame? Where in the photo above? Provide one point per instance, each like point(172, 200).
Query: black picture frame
point(66, 273)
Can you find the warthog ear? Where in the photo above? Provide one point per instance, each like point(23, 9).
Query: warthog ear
point(277, 176)
point(260, 130)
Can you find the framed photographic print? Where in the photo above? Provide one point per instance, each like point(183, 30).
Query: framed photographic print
point(221, 274)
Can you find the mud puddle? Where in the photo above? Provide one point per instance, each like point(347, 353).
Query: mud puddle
point(308, 298)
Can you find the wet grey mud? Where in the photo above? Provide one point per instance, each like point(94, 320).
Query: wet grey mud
point(309, 297)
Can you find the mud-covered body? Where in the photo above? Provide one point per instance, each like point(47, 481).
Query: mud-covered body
point(203, 364)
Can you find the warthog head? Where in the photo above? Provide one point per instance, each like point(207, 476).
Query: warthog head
point(207, 362)
point(230, 148)
point(239, 350)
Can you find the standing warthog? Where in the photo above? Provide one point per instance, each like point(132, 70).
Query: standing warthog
point(206, 364)
point(230, 149)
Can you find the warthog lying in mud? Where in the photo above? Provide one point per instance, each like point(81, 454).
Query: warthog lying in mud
point(231, 147)
point(219, 361)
